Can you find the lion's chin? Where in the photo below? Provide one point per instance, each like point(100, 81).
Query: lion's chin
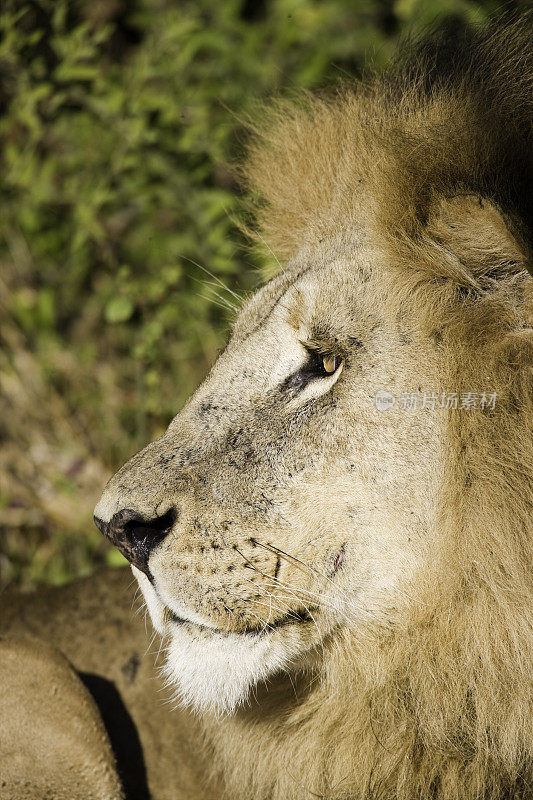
point(214, 672)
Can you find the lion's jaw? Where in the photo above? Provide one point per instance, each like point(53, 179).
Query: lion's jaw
point(293, 520)
point(212, 670)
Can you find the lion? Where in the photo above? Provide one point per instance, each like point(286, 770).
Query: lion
point(333, 538)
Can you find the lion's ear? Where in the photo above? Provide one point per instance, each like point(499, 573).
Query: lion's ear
point(486, 249)
point(477, 234)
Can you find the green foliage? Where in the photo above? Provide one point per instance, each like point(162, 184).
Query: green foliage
point(118, 122)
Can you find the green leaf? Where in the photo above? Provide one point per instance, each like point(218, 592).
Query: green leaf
point(119, 309)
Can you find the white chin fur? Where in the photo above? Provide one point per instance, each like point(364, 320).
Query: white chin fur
point(215, 672)
point(153, 603)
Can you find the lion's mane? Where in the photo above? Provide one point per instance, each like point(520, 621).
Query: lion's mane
point(432, 164)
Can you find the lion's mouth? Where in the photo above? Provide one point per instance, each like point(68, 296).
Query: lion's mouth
point(297, 617)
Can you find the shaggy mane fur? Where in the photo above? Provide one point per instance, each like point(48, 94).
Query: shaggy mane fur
point(453, 117)
point(430, 165)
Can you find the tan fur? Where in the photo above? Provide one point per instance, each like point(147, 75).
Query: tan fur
point(401, 541)
point(59, 730)
point(52, 742)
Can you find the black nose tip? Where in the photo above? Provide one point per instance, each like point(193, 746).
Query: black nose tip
point(135, 536)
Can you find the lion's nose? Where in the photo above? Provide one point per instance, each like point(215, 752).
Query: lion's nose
point(135, 536)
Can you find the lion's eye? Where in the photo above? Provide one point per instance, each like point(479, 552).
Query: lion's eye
point(319, 367)
point(322, 364)
point(330, 363)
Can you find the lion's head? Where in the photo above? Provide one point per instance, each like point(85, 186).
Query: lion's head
point(348, 497)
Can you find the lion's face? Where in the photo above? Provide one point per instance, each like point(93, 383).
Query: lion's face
point(281, 505)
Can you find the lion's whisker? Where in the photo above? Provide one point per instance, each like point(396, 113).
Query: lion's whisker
point(215, 277)
point(304, 565)
point(278, 582)
point(261, 621)
point(306, 608)
point(329, 605)
point(221, 304)
point(261, 588)
point(315, 594)
point(323, 601)
point(278, 262)
point(150, 643)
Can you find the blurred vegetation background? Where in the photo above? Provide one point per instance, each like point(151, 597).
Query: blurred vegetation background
point(119, 120)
